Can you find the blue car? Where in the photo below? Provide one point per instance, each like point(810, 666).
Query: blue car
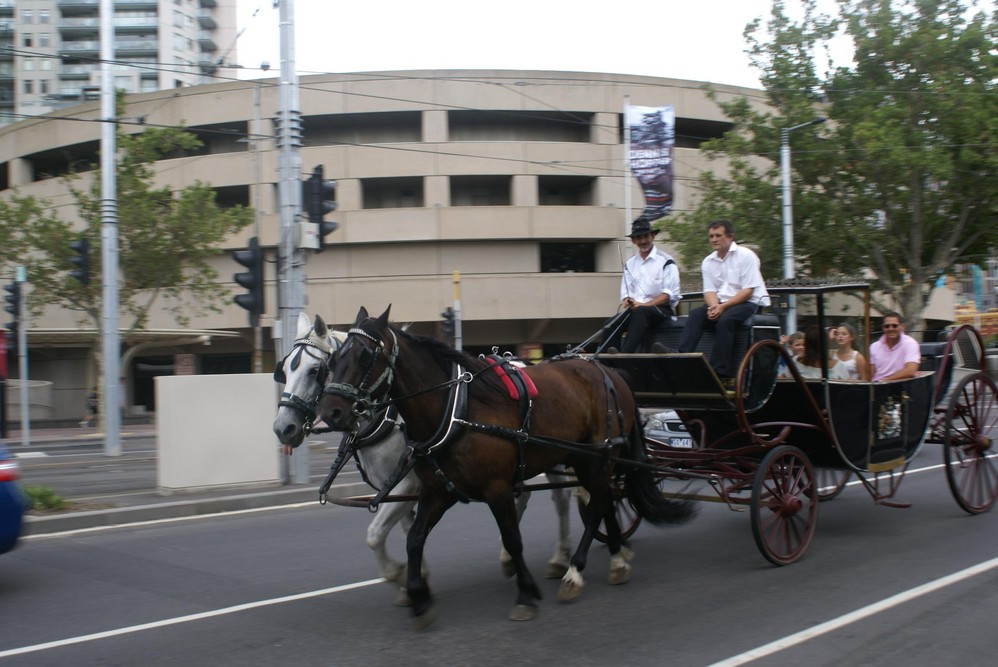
point(11, 500)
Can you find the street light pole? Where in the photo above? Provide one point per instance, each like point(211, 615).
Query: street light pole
point(788, 216)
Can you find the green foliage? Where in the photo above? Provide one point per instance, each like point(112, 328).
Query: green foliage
point(900, 181)
point(43, 498)
point(165, 238)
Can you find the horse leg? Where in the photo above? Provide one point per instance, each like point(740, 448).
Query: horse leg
point(599, 496)
point(505, 560)
point(500, 501)
point(558, 565)
point(620, 569)
point(428, 513)
point(385, 519)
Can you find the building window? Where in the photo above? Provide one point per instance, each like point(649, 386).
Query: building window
point(27, 40)
point(45, 64)
point(178, 19)
point(28, 65)
point(519, 126)
point(480, 190)
point(43, 15)
point(43, 87)
point(403, 192)
point(566, 190)
point(27, 16)
point(44, 39)
point(568, 258)
point(178, 42)
point(28, 86)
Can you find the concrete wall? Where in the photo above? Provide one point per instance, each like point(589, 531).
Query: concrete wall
point(215, 431)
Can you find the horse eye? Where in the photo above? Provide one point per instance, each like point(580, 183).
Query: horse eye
point(366, 357)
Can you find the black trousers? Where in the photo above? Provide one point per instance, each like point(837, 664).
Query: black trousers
point(721, 356)
point(642, 320)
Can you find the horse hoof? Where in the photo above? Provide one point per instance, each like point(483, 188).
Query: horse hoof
point(403, 599)
point(619, 575)
point(508, 570)
point(424, 620)
point(569, 591)
point(556, 571)
point(523, 612)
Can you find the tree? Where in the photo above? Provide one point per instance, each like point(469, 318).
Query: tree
point(165, 239)
point(900, 183)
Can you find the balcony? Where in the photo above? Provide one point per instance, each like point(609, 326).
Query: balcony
point(75, 26)
point(118, 4)
point(206, 42)
point(143, 24)
point(207, 21)
point(135, 47)
point(67, 72)
point(80, 48)
point(208, 3)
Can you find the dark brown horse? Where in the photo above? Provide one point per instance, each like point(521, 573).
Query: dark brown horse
point(471, 441)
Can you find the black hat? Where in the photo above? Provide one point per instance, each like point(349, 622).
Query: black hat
point(640, 227)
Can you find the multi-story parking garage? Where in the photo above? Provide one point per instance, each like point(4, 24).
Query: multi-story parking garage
point(514, 179)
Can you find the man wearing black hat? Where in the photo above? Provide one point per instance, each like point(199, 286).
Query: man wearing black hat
point(649, 287)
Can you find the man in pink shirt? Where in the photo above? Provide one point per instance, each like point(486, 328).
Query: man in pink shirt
point(896, 355)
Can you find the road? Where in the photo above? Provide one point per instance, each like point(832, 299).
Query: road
point(260, 588)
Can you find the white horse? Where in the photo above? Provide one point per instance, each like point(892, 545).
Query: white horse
point(303, 374)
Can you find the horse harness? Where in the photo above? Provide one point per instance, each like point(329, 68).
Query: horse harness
point(313, 346)
point(455, 415)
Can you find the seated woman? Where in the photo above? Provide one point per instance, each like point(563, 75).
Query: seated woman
point(809, 363)
point(855, 363)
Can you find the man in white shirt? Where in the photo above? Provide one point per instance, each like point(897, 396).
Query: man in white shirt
point(649, 286)
point(733, 290)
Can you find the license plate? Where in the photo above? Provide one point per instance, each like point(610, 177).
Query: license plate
point(684, 443)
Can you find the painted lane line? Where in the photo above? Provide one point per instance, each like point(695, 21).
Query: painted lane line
point(186, 619)
point(858, 615)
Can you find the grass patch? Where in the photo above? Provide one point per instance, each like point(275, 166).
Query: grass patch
point(44, 498)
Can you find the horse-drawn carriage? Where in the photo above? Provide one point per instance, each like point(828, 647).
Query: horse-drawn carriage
point(780, 445)
point(777, 445)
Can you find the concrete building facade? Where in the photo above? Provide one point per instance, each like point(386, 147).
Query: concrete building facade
point(50, 49)
point(515, 180)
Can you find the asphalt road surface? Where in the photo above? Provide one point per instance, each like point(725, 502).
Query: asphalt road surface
point(296, 586)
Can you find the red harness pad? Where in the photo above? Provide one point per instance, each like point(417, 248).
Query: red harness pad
point(500, 369)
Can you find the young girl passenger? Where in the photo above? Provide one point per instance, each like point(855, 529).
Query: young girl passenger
point(854, 362)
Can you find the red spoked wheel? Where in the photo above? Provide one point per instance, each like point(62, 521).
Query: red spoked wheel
point(784, 505)
point(627, 517)
point(969, 435)
point(831, 482)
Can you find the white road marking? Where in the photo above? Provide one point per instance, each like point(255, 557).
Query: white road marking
point(185, 619)
point(30, 455)
point(859, 614)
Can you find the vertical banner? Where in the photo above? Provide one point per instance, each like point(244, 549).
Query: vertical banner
point(652, 137)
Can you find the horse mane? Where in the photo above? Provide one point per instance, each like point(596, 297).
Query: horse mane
point(486, 385)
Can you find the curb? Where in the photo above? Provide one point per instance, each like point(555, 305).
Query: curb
point(55, 523)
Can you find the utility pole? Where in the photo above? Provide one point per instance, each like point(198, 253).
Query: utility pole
point(291, 280)
point(109, 237)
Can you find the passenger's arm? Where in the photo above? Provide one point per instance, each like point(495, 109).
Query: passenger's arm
point(908, 371)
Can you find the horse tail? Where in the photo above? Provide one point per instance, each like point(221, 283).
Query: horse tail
point(642, 491)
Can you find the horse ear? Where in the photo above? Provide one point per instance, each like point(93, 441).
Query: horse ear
point(304, 325)
point(361, 316)
point(383, 320)
point(279, 375)
point(320, 327)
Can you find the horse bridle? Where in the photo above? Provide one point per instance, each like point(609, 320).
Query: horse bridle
point(306, 405)
point(362, 395)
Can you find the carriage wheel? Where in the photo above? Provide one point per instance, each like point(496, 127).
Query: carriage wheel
point(784, 505)
point(627, 517)
point(968, 437)
point(830, 482)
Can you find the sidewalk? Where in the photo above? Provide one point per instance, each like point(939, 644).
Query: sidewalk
point(133, 497)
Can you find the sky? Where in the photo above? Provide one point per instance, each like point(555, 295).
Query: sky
point(696, 40)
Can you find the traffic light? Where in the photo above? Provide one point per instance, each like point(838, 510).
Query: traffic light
point(13, 299)
point(319, 198)
point(81, 260)
point(251, 279)
point(448, 323)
